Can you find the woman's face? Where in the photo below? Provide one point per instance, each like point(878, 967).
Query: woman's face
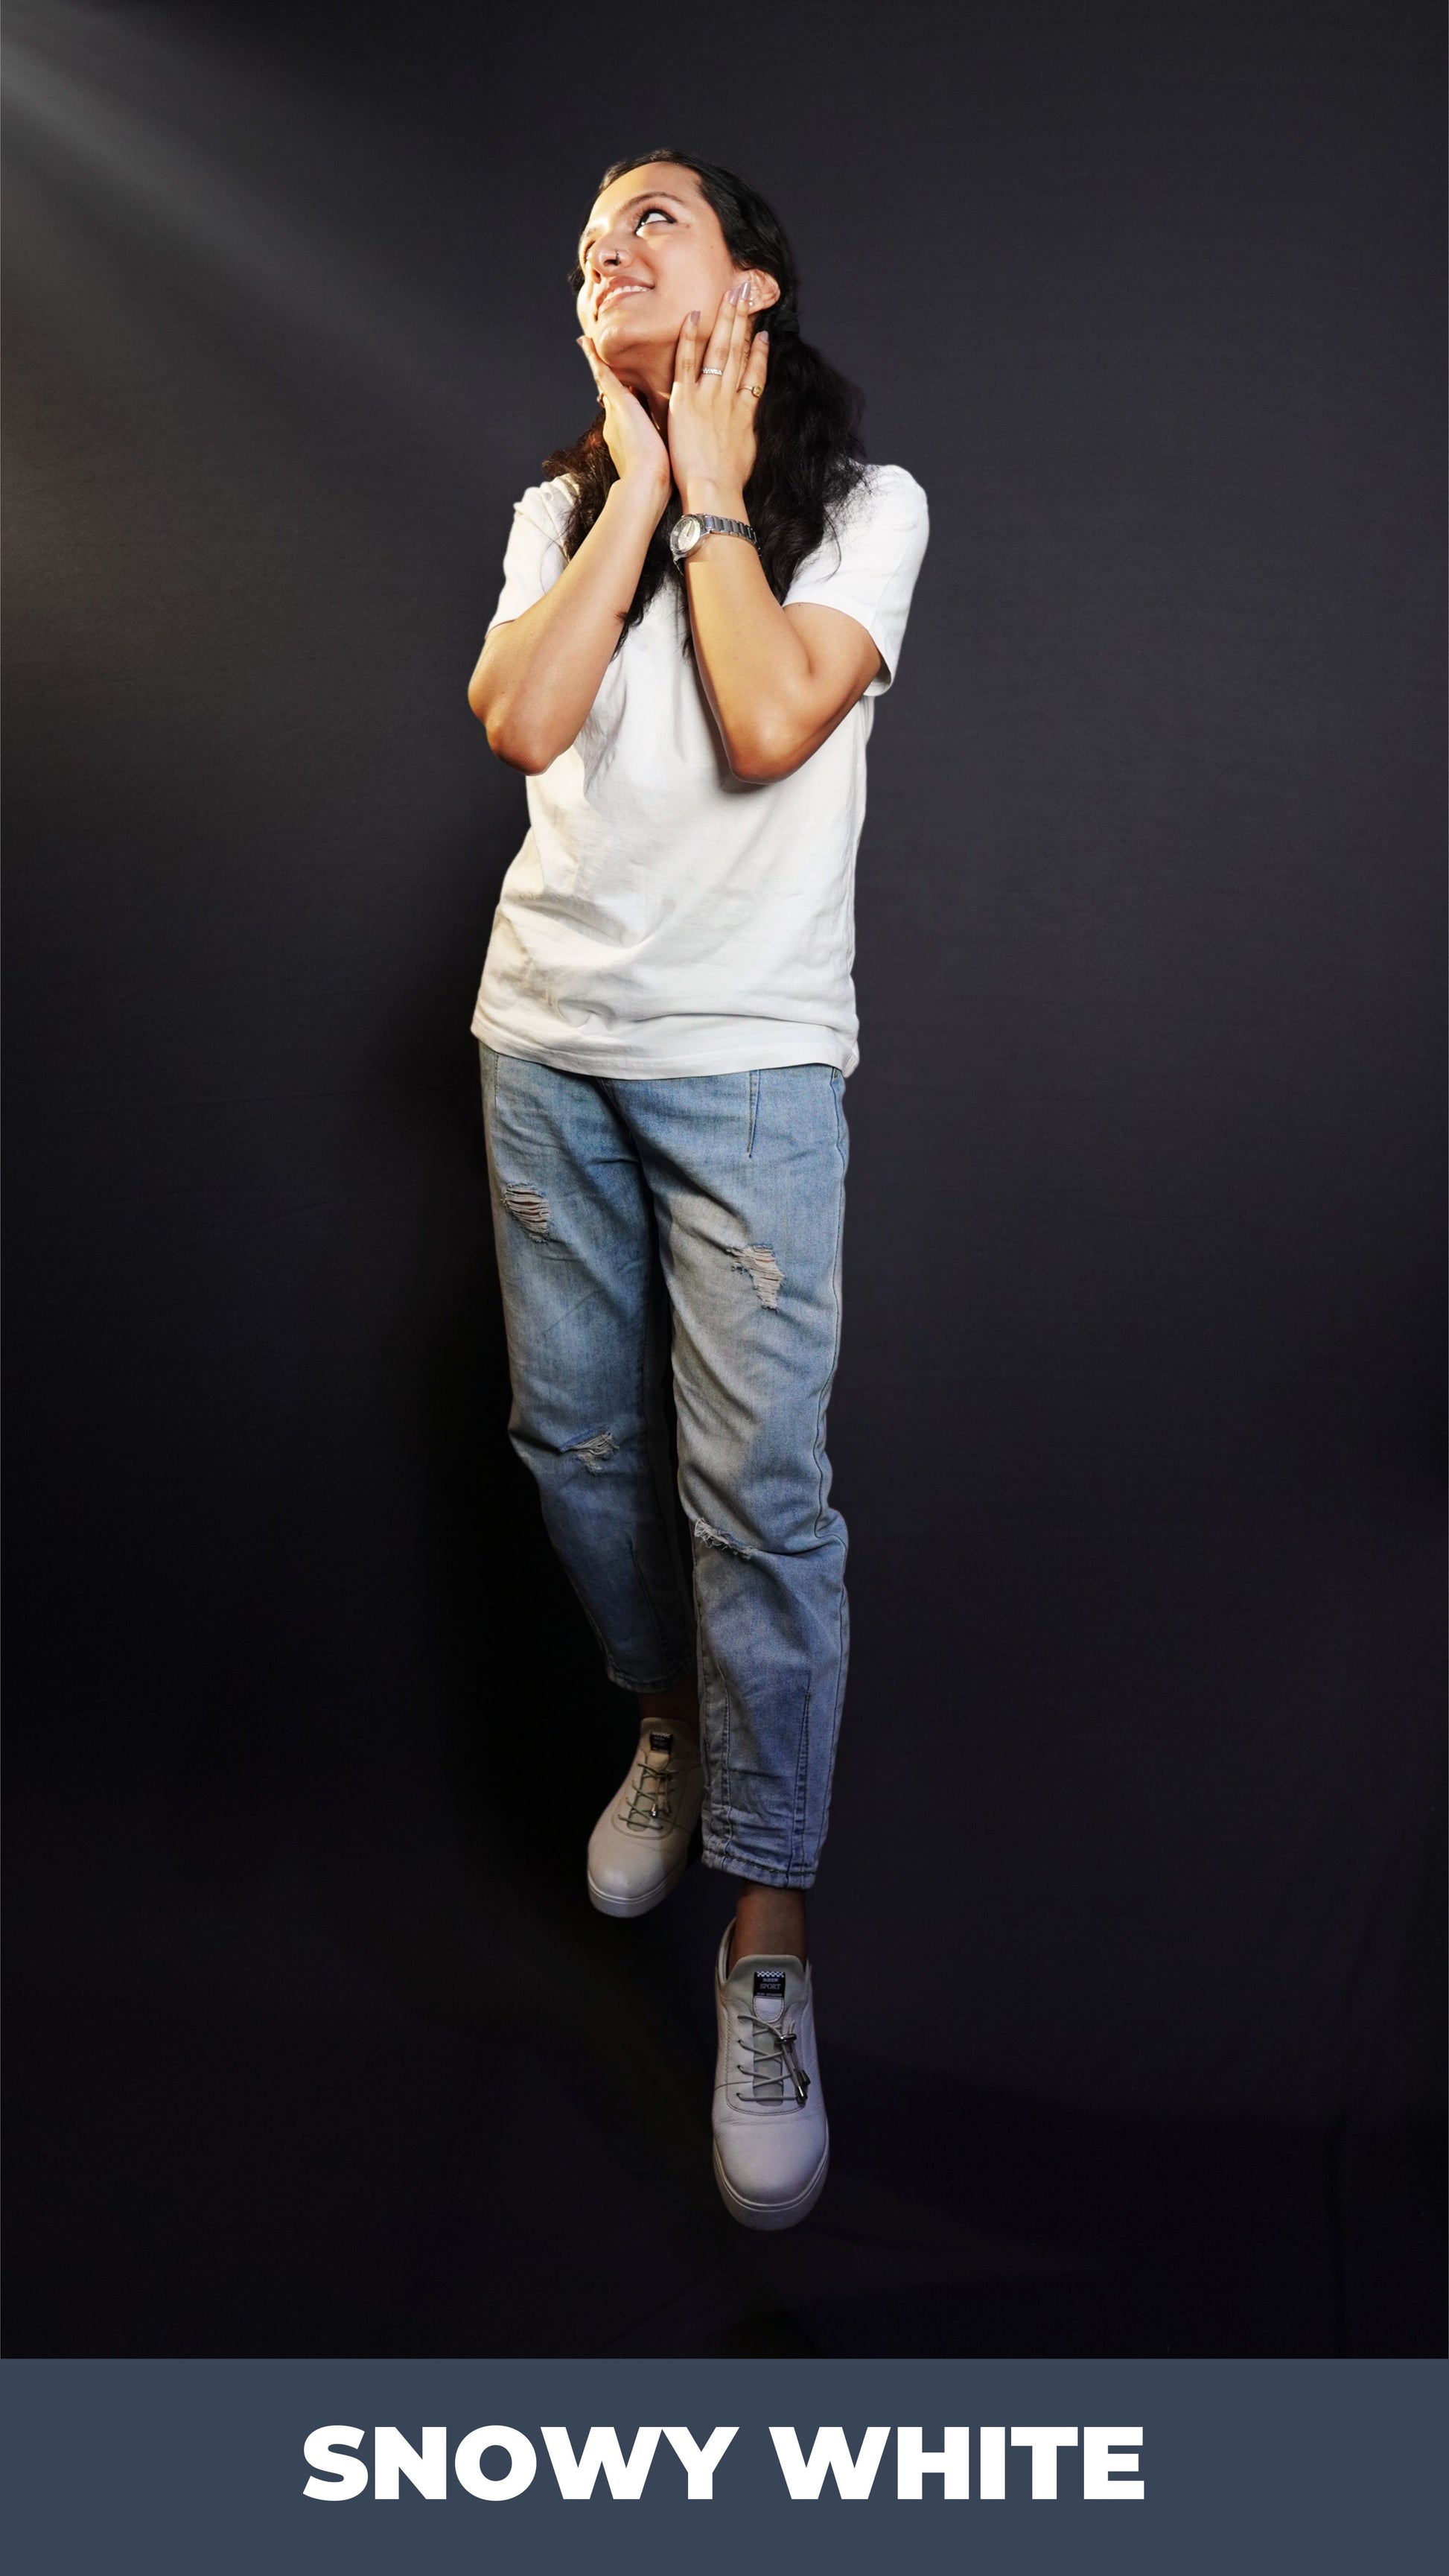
point(652, 253)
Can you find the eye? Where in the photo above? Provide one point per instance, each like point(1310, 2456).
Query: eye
point(649, 213)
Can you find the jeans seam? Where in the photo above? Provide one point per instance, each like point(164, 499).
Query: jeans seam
point(711, 1679)
point(829, 1380)
point(663, 1508)
point(666, 1499)
point(799, 1816)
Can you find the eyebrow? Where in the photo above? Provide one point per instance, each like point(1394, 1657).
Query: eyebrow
point(646, 198)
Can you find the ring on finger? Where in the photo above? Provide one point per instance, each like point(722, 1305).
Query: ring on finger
point(711, 371)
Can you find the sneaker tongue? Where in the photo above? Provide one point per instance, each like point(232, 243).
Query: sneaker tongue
point(658, 1750)
point(769, 1994)
point(767, 1986)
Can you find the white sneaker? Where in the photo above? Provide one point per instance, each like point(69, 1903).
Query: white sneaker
point(771, 2136)
point(639, 1847)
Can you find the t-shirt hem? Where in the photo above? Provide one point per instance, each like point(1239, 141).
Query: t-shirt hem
point(758, 1046)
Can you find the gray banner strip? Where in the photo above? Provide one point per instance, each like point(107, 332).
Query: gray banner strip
point(1248, 2465)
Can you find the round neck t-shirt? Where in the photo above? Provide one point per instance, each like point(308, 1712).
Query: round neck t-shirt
point(664, 917)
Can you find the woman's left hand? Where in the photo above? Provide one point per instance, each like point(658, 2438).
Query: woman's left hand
point(712, 401)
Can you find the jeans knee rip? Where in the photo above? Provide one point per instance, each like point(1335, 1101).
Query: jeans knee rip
point(757, 1260)
point(727, 1546)
point(530, 1207)
point(595, 1451)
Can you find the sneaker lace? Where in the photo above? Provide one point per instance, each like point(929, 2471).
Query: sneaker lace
point(649, 1795)
point(774, 2055)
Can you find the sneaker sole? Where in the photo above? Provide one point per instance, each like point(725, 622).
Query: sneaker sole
point(772, 2213)
point(624, 1908)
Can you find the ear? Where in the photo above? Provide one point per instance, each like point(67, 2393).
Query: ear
point(766, 289)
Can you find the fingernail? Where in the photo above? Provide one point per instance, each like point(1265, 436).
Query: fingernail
point(694, 317)
point(736, 292)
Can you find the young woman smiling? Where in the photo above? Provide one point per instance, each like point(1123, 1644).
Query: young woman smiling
point(699, 605)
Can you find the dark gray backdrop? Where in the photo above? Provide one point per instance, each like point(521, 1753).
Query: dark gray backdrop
point(1127, 1935)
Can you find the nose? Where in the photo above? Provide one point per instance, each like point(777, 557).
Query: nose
point(610, 251)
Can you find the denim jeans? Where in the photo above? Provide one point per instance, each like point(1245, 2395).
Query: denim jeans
point(682, 1238)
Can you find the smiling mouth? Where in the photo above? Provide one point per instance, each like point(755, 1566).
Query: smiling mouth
point(610, 293)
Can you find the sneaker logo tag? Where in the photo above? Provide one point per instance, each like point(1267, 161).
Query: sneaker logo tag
point(770, 1981)
point(661, 1743)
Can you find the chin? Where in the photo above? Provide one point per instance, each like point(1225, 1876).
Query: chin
point(628, 338)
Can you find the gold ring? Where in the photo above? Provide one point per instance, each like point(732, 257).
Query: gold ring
point(756, 390)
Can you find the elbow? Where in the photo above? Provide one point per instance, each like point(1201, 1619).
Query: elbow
point(764, 754)
point(510, 740)
point(518, 749)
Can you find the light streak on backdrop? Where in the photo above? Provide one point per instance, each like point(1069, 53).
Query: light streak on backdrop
point(126, 118)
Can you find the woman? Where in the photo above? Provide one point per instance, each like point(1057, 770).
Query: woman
point(698, 606)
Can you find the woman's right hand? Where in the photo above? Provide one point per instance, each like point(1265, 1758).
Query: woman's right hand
point(641, 458)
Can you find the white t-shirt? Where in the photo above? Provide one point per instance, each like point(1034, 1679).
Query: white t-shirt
point(664, 917)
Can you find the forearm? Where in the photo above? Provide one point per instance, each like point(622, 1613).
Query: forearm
point(755, 667)
point(538, 676)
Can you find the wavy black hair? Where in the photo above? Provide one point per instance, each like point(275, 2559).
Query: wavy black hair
point(808, 455)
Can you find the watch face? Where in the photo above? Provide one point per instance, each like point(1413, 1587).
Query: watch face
point(687, 535)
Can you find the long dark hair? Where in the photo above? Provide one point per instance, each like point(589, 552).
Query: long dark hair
point(808, 454)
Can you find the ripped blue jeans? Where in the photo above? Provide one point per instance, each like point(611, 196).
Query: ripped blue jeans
point(680, 1240)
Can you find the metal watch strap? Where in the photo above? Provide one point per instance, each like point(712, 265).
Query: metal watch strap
point(704, 525)
point(725, 527)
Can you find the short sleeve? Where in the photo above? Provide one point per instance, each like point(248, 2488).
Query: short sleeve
point(868, 567)
point(534, 556)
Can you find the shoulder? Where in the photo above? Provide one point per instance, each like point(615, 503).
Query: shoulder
point(547, 505)
point(885, 497)
point(876, 535)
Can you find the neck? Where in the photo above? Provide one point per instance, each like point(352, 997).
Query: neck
point(650, 373)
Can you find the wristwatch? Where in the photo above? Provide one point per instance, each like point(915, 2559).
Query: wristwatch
point(685, 535)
